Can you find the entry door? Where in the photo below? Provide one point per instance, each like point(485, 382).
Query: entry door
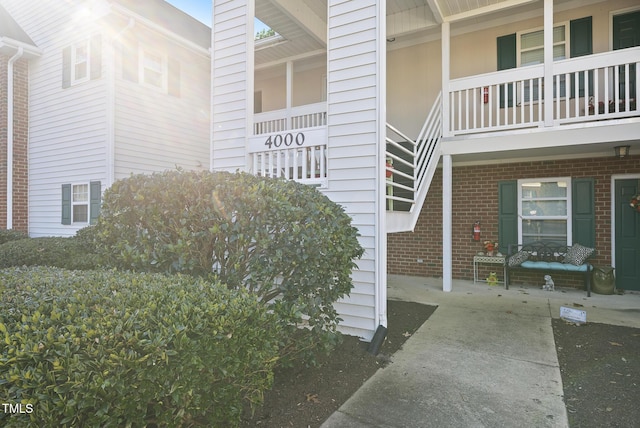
point(627, 236)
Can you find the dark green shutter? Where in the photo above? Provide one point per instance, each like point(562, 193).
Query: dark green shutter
point(581, 42)
point(66, 67)
point(96, 57)
point(66, 204)
point(507, 58)
point(95, 200)
point(583, 221)
point(507, 214)
point(174, 78)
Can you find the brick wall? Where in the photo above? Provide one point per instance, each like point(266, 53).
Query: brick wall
point(475, 198)
point(20, 142)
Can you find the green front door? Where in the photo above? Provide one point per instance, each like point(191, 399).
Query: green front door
point(627, 236)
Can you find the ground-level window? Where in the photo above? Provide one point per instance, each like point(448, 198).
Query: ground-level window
point(544, 210)
point(559, 209)
point(81, 203)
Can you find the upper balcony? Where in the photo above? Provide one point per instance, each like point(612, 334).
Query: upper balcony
point(586, 89)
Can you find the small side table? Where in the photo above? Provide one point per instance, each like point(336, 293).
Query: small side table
point(494, 260)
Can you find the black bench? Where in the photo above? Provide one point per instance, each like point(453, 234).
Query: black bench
point(550, 256)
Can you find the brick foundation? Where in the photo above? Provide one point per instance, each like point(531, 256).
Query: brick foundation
point(475, 190)
point(20, 144)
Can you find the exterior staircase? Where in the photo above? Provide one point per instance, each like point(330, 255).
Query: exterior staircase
point(410, 169)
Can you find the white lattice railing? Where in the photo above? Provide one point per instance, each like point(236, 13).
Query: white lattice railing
point(591, 87)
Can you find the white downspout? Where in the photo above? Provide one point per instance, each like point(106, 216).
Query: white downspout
point(12, 60)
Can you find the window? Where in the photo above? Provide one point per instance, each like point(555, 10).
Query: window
point(81, 203)
point(531, 52)
point(150, 68)
point(563, 208)
point(572, 39)
point(153, 69)
point(544, 210)
point(82, 61)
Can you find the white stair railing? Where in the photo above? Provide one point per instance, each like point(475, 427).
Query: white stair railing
point(410, 169)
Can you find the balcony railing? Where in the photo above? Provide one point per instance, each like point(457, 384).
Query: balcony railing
point(306, 116)
point(592, 87)
point(291, 144)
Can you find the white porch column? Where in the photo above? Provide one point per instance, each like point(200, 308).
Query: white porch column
point(446, 55)
point(548, 62)
point(232, 65)
point(447, 222)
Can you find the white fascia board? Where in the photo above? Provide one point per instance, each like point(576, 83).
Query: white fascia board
point(10, 46)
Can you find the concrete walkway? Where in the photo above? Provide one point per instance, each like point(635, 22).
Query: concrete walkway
point(485, 358)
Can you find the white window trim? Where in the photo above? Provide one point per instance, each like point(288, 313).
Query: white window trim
point(568, 217)
point(165, 69)
point(567, 50)
point(74, 49)
point(87, 203)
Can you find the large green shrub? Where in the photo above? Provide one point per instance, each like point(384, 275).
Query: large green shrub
point(68, 253)
point(285, 242)
point(112, 349)
point(7, 235)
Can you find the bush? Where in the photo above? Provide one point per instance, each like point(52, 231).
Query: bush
point(110, 349)
point(285, 242)
point(7, 235)
point(69, 253)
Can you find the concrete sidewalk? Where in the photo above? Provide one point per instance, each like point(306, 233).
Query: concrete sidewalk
point(485, 358)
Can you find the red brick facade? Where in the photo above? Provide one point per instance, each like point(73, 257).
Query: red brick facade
point(475, 190)
point(20, 142)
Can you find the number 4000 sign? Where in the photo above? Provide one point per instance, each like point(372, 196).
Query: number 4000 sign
point(286, 140)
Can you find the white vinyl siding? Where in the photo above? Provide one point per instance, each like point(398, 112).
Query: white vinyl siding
point(353, 132)
point(230, 93)
point(67, 127)
point(156, 130)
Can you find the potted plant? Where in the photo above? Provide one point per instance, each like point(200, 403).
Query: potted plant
point(490, 247)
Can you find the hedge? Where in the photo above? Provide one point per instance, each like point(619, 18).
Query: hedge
point(7, 235)
point(68, 253)
point(111, 349)
point(284, 241)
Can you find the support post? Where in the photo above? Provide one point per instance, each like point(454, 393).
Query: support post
point(447, 223)
point(548, 62)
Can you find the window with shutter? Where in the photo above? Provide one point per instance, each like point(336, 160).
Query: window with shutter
point(82, 62)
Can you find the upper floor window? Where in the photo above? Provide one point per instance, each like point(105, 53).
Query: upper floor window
point(570, 40)
point(82, 61)
point(150, 68)
point(531, 49)
point(153, 69)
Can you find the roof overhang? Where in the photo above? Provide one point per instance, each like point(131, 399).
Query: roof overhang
point(10, 46)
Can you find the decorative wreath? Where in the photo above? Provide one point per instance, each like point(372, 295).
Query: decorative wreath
point(635, 202)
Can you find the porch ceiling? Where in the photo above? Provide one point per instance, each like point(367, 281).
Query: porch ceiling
point(302, 23)
point(597, 140)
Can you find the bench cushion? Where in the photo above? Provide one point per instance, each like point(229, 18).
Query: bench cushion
point(554, 266)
